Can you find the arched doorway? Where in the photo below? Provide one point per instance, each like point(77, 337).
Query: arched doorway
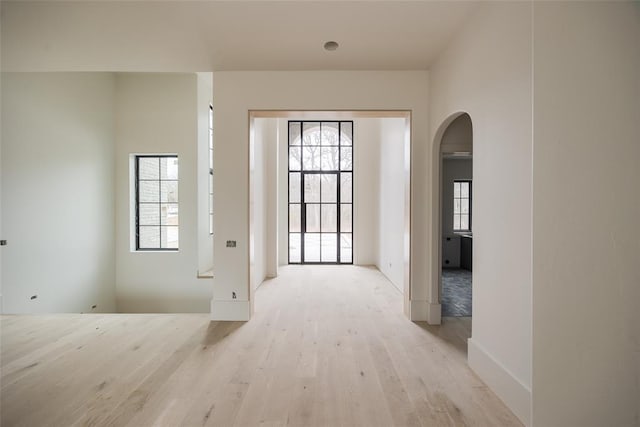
point(453, 216)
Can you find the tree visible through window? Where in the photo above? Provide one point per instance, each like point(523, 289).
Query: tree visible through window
point(462, 206)
point(157, 202)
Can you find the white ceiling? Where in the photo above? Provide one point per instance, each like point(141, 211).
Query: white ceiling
point(226, 35)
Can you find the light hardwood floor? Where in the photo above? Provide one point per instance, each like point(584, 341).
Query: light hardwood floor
point(327, 346)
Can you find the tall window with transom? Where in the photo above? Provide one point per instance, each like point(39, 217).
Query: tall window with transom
point(320, 192)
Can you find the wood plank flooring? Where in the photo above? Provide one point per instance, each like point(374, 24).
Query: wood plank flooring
point(327, 346)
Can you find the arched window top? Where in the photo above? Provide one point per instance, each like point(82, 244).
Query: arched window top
point(321, 133)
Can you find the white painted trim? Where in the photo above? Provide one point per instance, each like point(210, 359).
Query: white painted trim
point(424, 311)
point(434, 313)
point(230, 310)
point(509, 389)
point(418, 310)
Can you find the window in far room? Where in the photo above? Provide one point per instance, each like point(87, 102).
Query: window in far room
point(156, 195)
point(462, 205)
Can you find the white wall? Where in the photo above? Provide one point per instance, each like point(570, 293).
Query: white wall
point(57, 192)
point(391, 203)
point(282, 193)
point(366, 178)
point(486, 72)
point(205, 240)
point(264, 131)
point(271, 185)
point(452, 169)
point(1, 234)
point(238, 92)
point(458, 136)
point(586, 248)
point(156, 113)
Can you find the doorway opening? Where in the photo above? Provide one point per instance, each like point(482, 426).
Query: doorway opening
point(456, 217)
point(330, 187)
point(320, 190)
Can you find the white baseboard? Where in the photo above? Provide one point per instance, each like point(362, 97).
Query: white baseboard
point(230, 310)
point(434, 314)
point(424, 311)
point(513, 393)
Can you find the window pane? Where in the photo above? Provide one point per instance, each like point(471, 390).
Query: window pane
point(168, 168)
point(149, 191)
point(329, 159)
point(329, 187)
point(294, 247)
point(148, 168)
point(329, 133)
point(346, 248)
point(464, 206)
point(294, 218)
point(169, 191)
point(311, 158)
point(169, 237)
point(294, 187)
point(345, 158)
point(311, 133)
point(464, 222)
point(346, 133)
point(456, 222)
point(313, 218)
point(345, 218)
point(312, 247)
point(149, 214)
point(311, 188)
point(456, 206)
point(329, 247)
point(294, 133)
point(456, 189)
point(211, 203)
point(294, 158)
point(169, 214)
point(211, 183)
point(464, 189)
point(345, 187)
point(211, 224)
point(157, 207)
point(329, 218)
point(149, 237)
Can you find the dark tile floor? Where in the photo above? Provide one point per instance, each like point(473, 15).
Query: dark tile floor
point(456, 292)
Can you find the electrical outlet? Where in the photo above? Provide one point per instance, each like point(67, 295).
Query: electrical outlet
point(233, 295)
point(231, 243)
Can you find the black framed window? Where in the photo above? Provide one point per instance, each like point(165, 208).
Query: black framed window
point(462, 205)
point(320, 192)
point(157, 224)
point(210, 169)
